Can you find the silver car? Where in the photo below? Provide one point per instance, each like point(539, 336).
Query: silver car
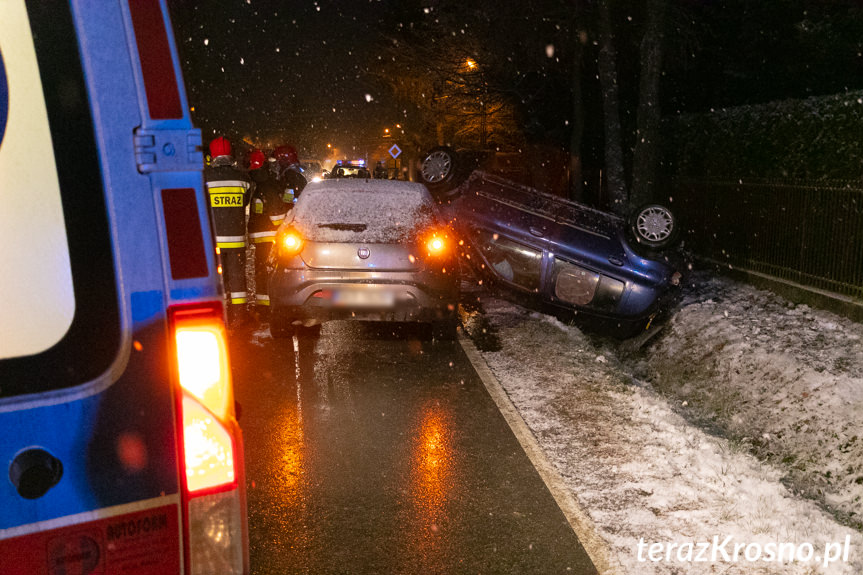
point(363, 250)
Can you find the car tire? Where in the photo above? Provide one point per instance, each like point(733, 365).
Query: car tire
point(654, 226)
point(280, 326)
point(438, 170)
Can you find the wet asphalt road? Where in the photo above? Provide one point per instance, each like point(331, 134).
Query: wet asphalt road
point(373, 449)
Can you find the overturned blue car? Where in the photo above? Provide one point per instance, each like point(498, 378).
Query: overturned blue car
point(561, 256)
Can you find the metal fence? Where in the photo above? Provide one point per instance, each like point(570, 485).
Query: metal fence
point(810, 233)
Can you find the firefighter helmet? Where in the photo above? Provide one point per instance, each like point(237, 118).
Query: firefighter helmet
point(256, 159)
point(220, 147)
point(286, 155)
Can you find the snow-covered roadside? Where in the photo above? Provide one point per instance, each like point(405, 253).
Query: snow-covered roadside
point(641, 471)
point(784, 380)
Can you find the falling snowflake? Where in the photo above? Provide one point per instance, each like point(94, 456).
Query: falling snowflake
point(369, 98)
point(549, 50)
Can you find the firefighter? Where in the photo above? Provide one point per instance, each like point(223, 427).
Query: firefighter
point(267, 210)
point(229, 190)
point(290, 172)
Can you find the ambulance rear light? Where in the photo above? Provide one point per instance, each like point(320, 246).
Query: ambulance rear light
point(207, 410)
point(209, 449)
point(216, 534)
point(202, 358)
point(211, 445)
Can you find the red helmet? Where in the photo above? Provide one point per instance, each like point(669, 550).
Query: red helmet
point(286, 154)
point(256, 159)
point(220, 147)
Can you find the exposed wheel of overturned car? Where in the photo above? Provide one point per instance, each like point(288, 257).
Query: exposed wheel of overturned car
point(438, 170)
point(654, 226)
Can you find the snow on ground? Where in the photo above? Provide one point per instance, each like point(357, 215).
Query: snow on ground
point(696, 439)
point(783, 379)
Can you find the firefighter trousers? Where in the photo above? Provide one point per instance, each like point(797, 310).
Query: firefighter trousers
point(234, 279)
point(262, 254)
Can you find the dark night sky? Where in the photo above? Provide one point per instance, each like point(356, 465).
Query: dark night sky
point(277, 71)
point(299, 71)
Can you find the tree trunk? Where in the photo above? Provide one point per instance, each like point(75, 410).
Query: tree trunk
point(614, 173)
point(576, 178)
point(647, 145)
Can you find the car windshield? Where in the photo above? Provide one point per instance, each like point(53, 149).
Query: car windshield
point(380, 212)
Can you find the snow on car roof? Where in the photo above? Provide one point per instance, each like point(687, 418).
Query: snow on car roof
point(372, 211)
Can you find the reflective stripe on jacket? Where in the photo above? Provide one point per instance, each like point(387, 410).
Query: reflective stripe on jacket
point(228, 190)
point(260, 237)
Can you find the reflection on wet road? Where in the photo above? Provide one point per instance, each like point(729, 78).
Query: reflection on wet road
point(372, 449)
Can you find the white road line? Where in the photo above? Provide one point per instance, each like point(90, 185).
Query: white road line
point(578, 520)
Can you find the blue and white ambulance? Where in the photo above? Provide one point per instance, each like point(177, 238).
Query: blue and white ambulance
point(120, 451)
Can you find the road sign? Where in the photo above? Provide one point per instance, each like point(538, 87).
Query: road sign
point(395, 151)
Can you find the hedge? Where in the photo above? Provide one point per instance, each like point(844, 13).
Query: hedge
point(813, 139)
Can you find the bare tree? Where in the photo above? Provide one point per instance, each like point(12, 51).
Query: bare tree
point(645, 162)
point(646, 147)
point(615, 180)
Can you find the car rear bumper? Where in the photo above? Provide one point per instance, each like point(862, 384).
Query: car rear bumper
point(312, 296)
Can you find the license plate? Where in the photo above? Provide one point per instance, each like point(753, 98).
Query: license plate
point(364, 298)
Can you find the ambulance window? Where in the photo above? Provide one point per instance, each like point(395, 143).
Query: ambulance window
point(59, 323)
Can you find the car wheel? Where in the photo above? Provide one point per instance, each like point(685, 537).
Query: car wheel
point(280, 326)
point(438, 168)
point(654, 226)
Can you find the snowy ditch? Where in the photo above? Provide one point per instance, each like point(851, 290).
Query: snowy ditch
point(732, 443)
